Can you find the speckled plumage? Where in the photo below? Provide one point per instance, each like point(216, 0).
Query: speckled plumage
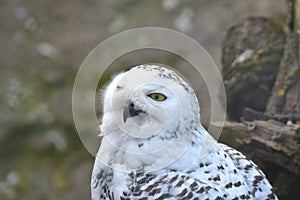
point(172, 158)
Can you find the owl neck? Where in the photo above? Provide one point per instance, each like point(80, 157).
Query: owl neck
point(163, 150)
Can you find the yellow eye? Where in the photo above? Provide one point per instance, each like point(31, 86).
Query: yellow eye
point(157, 96)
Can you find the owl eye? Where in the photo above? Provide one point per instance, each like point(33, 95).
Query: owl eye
point(157, 96)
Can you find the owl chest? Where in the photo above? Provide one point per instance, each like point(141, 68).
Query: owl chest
point(149, 154)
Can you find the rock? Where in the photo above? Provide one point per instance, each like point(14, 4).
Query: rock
point(251, 54)
point(286, 92)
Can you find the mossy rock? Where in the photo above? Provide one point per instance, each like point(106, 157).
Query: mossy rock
point(251, 54)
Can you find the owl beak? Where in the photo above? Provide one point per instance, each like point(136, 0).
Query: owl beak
point(130, 111)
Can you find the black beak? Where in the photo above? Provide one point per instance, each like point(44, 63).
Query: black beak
point(130, 111)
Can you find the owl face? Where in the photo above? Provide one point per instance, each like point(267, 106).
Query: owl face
point(146, 103)
point(148, 111)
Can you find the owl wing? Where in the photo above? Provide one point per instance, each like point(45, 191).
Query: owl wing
point(256, 180)
point(100, 182)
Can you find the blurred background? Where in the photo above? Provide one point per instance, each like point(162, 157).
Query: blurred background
point(42, 46)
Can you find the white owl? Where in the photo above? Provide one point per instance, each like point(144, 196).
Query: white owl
point(154, 146)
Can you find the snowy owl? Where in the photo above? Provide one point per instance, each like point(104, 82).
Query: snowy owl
point(154, 146)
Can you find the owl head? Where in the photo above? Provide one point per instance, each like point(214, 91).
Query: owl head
point(148, 101)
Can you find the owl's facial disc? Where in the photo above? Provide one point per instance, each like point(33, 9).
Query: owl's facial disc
point(144, 108)
point(146, 104)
